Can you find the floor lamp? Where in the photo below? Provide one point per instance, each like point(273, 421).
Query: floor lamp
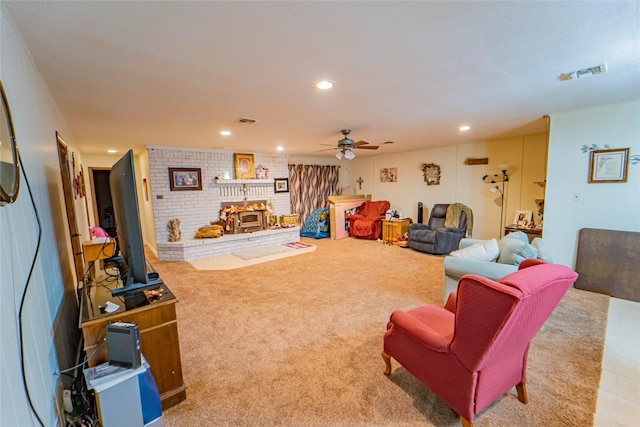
point(499, 178)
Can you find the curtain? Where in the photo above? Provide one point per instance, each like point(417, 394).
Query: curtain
point(309, 187)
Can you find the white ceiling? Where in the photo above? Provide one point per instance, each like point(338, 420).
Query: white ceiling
point(129, 74)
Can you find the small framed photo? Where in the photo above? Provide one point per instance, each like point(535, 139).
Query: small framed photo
point(609, 165)
point(244, 166)
point(281, 185)
point(522, 219)
point(183, 179)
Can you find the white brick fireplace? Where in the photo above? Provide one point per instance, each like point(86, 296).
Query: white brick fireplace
point(198, 208)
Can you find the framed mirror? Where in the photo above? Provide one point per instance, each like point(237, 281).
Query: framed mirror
point(9, 171)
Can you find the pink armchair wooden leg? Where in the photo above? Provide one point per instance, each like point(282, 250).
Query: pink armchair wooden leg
point(522, 393)
point(387, 361)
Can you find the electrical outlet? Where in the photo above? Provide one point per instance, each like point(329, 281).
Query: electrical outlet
point(576, 197)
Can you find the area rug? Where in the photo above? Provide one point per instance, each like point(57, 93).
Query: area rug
point(297, 342)
point(262, 251)
point(250, 257)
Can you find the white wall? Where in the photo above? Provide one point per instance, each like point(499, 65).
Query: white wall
point(36, 119)
point(459, 182)
point(612, 206)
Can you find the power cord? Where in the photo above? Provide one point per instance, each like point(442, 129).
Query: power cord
point(24, 294)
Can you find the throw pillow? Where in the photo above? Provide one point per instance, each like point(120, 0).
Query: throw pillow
point(518, 235)
point(513, 250)
point(543, 252)
point(483, 251)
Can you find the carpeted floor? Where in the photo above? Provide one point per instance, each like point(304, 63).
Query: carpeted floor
point(297, 342)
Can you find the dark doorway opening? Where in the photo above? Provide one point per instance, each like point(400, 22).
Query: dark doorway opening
point(103, 207)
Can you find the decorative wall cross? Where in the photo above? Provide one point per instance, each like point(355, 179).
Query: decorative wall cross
point(360, 181)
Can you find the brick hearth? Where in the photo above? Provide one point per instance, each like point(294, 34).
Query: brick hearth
point(193, 249)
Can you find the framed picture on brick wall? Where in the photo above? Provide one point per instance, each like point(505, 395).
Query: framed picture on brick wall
point(281, 185)
point(184, 179)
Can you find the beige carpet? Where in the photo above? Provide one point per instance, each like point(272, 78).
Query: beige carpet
point(297, 341)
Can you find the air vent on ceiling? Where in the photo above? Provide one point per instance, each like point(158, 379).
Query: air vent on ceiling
point(245, 121)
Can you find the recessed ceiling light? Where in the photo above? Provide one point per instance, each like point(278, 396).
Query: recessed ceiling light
point(225, 132)
point(464, 128)
point(112, 151)
point(323, 84)
point(279, 148)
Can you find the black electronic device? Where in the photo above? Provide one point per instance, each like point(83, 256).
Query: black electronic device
point(420, 209)
point(123, 344)
point(124, 195)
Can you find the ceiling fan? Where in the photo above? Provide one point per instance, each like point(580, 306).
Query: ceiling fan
point(346, 145)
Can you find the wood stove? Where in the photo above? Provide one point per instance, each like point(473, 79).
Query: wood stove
point(248, 221)
point(244, 217)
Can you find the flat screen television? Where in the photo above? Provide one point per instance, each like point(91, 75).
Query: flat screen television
point(135, 273)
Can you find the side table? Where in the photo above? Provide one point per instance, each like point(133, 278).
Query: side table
point(532, 233)
point(392, 229)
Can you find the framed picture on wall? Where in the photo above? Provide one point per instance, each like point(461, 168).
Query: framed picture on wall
point(244, 166)
point(184, 179)
point(281, 185)
point(608, 165)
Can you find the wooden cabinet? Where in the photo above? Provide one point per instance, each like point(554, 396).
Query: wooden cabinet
point(158, 328)
point(394, 228)
point(531, 233)
point(96, 251)
point(337, 206)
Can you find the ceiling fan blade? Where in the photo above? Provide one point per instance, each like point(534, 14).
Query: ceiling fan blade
point(361, 143)
point(327, 149)
point(366, 147)
point(328, 145)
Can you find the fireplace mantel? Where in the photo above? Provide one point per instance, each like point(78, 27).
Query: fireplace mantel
point(244, 181)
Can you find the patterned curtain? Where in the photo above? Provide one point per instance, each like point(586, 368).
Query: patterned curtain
point(309, 187)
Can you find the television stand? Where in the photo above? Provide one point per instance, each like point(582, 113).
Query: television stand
point(159, 342)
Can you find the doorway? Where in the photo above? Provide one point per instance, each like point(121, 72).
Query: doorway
point(101, 196)
point(67, 189)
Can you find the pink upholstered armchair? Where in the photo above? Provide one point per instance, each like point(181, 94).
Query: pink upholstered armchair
point(366, 223)
point(474, 350)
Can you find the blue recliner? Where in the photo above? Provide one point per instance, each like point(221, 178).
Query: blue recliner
point(436, 238)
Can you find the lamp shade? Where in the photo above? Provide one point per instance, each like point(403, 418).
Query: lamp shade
point(503, 166)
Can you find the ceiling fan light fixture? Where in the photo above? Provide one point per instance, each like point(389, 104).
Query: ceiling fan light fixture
point(349, 155)
point(339, 155)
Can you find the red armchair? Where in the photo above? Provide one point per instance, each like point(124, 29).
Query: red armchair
point(475, 349)
point(366, 223)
